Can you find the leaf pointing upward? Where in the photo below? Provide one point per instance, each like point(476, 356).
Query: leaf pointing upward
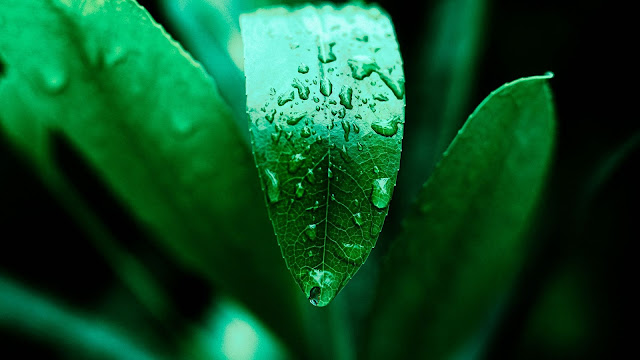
point(325, 97)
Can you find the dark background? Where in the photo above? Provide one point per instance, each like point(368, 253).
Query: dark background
point(575, 299)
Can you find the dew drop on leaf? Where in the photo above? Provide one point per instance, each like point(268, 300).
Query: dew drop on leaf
point(273, 187)
point(345, 96)
point(295, 162)
point(310, 232)
point(314, 296)
point(294, 118)
point(386, 127)
point(303, 68)
point(303, 90)
point(380, 97)
point(357, 219)
point(347, 128)
point(362, 66)
point(381, 192)
point(326, 87)
point(325, 52)
point(285, 98)
point(299, 190)
point(305, 132)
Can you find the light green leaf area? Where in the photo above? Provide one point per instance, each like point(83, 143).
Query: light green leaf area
point(463, 243)
point(325, 98)
point(107, 80)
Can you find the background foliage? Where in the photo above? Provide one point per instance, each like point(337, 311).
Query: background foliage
point(81, 298)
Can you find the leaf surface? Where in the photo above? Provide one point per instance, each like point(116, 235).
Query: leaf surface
point(325, 98)
point(106, 78)
point(463, 243)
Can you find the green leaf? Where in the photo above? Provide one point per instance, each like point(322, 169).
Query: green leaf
point(325, 97)
point(447, 58)
point(23, 310)
point(464, 243)
point(104, 77)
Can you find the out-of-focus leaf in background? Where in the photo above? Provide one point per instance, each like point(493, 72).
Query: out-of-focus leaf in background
point(464, 242)
point(32, 314)
point(150, 122)
point(442, 84)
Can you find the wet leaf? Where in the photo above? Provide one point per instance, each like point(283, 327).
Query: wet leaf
point(151, 123)
point(325, 97)
point(463, 243)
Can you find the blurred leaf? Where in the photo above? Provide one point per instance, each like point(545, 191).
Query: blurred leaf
point(151, 123)
point(443, 85)
point(325, 97)
point(463, 244)
point(31, 313)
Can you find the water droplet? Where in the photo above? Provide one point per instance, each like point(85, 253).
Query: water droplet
point(303, 68)
point(362, 66)
point(311, 176)
point(314, 296)
point(305, 132)
point(329, 173)
point(381, 192)
point(318, 138)
point(332, 102)
point(357, 219)
point(356, 128)
point(386, 127)
point(360, 147)
point(272, 92)
point(358, 116)
point(325, 52)
point(344, 155)
point(288, 134)
point(326, 87)
point(316, 99)
point(273, 186)
point(365, 100)
point(299, 190)
point(310, 232)
point(341, 113)
point(345, 96)
point(397, 87)
point(346, 127)
point(380, 97)
point(295, 162)
point(375, 169)
point(303, 90)
point(295, 118)
point(285, 98)
point(277, 127)
point(275, 137)
point(317, 107)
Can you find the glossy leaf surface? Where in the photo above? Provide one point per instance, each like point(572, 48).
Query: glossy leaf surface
point(325, 98)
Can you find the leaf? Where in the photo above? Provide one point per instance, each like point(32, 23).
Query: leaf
point(26, 311)
point(110, 82)
point(443, 85)
point(325, 97)
point(463, 243)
